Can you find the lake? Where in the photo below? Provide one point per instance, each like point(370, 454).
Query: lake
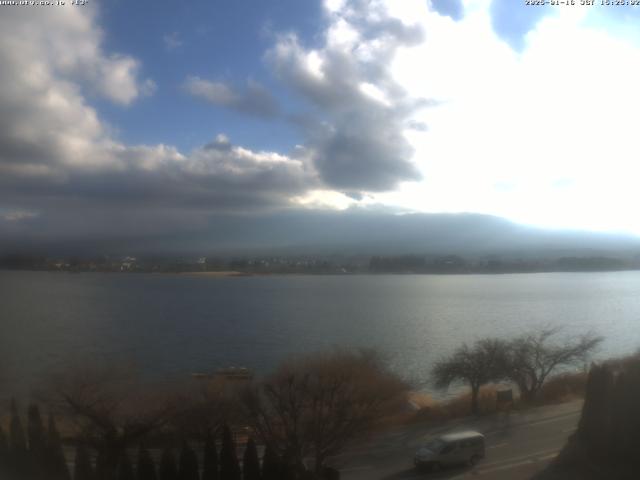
point(173, 325)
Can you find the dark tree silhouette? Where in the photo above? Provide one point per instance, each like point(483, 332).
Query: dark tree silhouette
point(476, 366)
point(125, 469)
point(168, 469)
point(250, 462)
point(146, 468)
point(271, 465)
point(18, 443)
point(210, 460)
point(4, 453)
point(19, 463)
point(37, 441)
point(56, 463)
point(188, 467)
point(4, 444)
point(103, 470)
point(83, 470)
point(229, 466)
point(289, 470)
point(35, 430)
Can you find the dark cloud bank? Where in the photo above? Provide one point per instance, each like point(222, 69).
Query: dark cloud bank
point(350, 232)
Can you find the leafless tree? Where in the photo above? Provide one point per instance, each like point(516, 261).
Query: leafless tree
point(534, 356)
point(110, 408)
point(477, 365)
point(312, 407)
point(206, 405)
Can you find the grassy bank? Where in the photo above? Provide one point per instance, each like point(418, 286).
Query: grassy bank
point(561, 388)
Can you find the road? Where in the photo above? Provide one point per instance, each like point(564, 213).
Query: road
point(518, 445)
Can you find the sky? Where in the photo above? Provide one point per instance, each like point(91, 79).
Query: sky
point(142, 119)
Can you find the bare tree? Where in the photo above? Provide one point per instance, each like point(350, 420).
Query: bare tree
point(207, 405)
point(111, 410)
point(476, 366)
point(313, 406)
point(534, 356)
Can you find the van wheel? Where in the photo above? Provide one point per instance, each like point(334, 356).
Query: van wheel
point(473, 460)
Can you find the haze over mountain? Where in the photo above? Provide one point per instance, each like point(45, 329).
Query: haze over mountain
point(349, 232)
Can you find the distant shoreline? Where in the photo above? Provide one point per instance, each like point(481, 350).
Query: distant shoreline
point(235, 273)
point(227, 273)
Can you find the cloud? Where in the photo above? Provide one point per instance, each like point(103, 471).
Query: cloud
point(44, 62)
point(58, 159)
point(172, 41)
point(253, 99)
point(155, 189)
point(497, 138)
point(450, 8)
point(506, 140)
point(357, 114)
point(355, 126)
point(63, 175)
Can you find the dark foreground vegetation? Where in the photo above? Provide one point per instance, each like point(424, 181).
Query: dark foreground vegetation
point(104, 424)
point(607, 441)
point(39, 455)
point(284, 427)
point(526, 361)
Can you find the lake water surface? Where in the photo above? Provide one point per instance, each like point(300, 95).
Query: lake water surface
point(172, 325)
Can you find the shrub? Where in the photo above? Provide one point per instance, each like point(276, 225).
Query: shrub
point(563, 387)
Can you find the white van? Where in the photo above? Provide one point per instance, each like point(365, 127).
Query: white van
point(451, 449)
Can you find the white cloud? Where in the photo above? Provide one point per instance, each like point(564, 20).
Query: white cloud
point(354, 124)
point(555, 121)
point(65, 42)
point(59, 159)
point(324, 199)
